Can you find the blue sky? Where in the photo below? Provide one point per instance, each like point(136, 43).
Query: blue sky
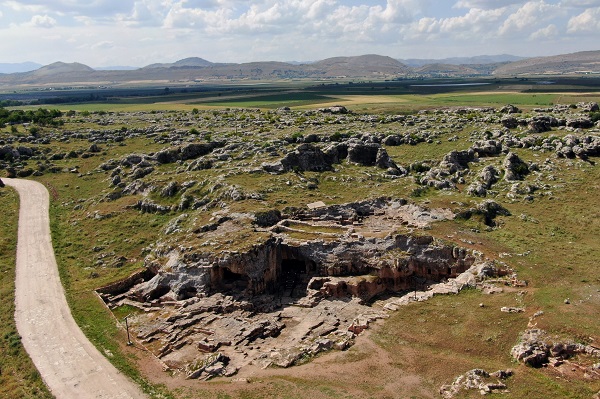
point(140, 32)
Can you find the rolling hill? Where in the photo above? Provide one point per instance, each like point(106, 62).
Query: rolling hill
point(191, 69)
point(580, 62)
point(186, 62)
point(369, 66)
point(477, 60)
point(443, 70)
point(365, 65)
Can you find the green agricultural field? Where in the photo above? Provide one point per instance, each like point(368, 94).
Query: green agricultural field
point(269, 101)
point(376, 96)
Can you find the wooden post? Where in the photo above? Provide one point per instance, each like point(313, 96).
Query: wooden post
point(127, 328)
point(415, 285)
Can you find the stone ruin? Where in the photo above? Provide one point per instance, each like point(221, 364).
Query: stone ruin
point(286, 299)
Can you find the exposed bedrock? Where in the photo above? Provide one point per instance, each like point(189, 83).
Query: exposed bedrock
point(369, 266)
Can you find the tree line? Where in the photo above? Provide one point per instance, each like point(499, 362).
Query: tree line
point(41, 117)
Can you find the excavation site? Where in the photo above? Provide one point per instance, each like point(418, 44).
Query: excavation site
point(290, 298)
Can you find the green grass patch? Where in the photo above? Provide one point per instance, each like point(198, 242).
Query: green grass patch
point(90, 313)
point(18, 376)
point(270, 101)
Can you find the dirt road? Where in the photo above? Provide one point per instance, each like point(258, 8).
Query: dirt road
point(68, 363)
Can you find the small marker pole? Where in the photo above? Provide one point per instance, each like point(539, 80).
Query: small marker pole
point(415, 285)
point(127, 328)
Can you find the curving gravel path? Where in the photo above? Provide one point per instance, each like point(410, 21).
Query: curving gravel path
point(68, 363)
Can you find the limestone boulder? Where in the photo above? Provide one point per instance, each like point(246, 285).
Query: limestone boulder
point(487, 148)
point(306, 157)
point(363, 153)
point(515, 168)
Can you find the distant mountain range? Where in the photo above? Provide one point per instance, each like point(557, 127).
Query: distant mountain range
point(360, 67)
point(19, 67)
point(116, 68)
point(184, 63)
point(477, 60)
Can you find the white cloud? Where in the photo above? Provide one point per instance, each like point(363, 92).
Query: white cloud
point(145, 13)
point(549, 32)
point(475, 25)
point(41, 21)
point(323, 17)
point(587, 21)
point(94, 7)
point(476, 20)
point(485, 4)
point(102, 45)
point(427, 25)
point(85, 20)
point(140, 32)
point(20, 7)
point(529, 17)
point(580, 3)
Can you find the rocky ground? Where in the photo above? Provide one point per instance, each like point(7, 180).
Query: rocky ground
point(282, 233)
point(289, 299)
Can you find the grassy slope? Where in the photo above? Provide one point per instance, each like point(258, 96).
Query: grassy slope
point(95, 320)
point(437, 340)
point(18, 376)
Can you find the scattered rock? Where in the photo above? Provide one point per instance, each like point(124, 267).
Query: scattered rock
point(509, 109)
point(476, 379)
point(170, 189)
point(335, 109)
point(305, 157)
point(542, 123)
point(535, 349)
point(515, 168)
point(508, 309)
point(267, 218)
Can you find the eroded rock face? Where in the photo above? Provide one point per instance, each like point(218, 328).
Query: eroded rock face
point(488, 210)
point(487, 148)
point(588, 107)
point(509, 109)
point(515, 168)
point(542, 123)
point(509, 122)
point(363, 153)
point(389, 262)
point(208, 314)
point(305, 157)
point(487, 177)
point(583, 147)
point(189, 151)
